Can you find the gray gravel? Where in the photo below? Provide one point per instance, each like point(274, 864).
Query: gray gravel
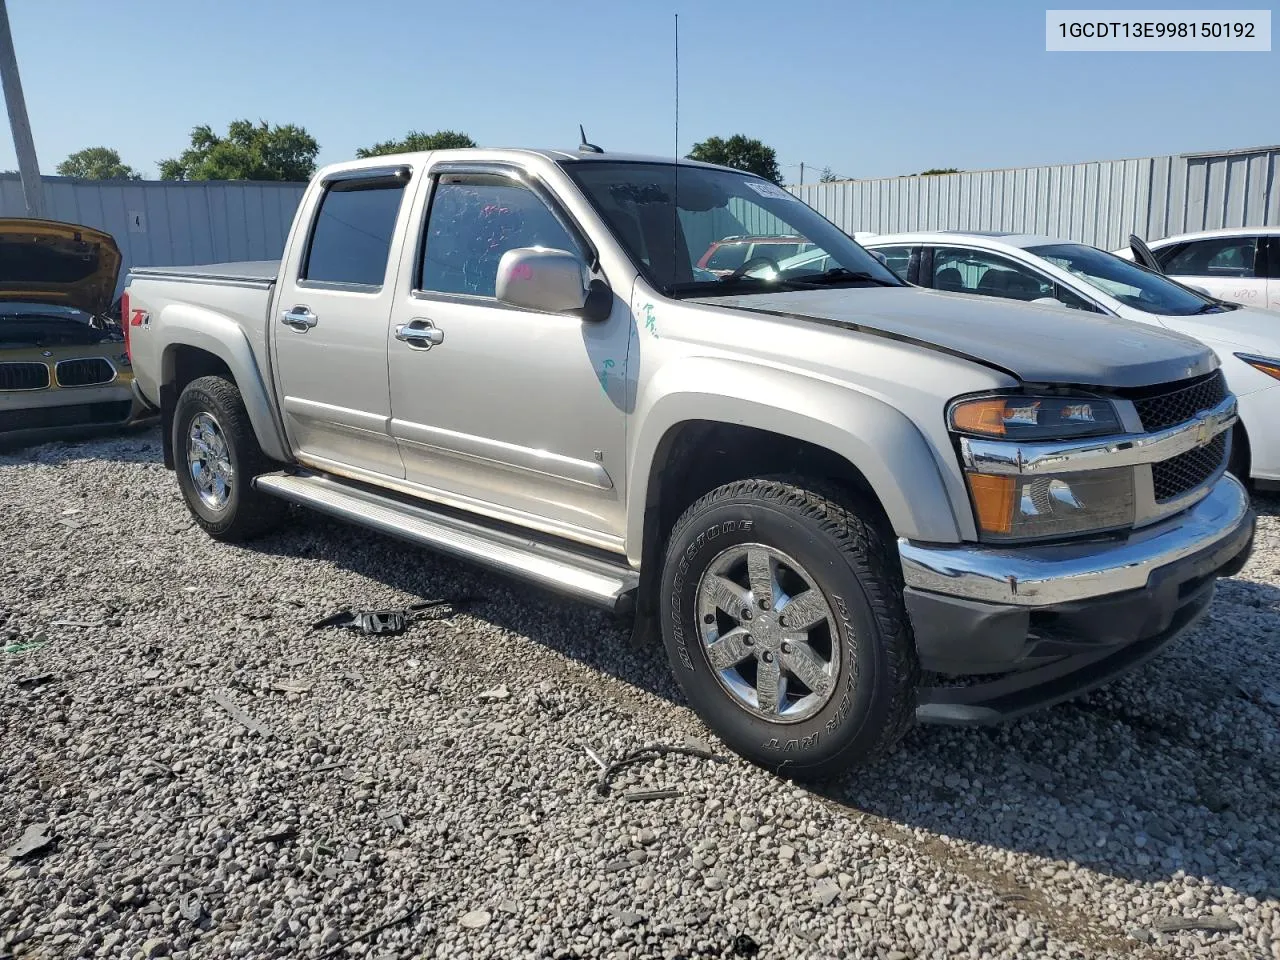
point(432, 792)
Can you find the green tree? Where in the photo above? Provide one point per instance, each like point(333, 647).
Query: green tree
point(97, 163)
point(741, 153)
point(827, 176)
point(249, 151)
point(415, 140)
point(937, 171)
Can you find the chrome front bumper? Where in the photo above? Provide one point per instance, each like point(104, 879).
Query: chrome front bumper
point(1037, 576)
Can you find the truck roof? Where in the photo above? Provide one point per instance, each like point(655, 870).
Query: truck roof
point(555, 156)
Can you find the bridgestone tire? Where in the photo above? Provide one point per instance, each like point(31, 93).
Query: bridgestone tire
point(848, 559)
point(247, 513)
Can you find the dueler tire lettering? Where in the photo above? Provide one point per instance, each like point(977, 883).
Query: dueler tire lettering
point(852, 562)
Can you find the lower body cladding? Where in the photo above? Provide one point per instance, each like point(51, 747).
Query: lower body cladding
point(1031, 626)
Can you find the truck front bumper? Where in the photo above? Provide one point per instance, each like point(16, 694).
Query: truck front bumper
point(1031, 626)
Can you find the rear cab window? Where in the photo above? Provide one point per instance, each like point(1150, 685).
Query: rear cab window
point(352, 234)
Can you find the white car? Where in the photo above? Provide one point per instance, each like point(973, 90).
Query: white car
point(1059, 272)
point(1240, 264)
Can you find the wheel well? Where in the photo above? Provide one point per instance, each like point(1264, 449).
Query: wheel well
point(186, 364)
point(697, 456)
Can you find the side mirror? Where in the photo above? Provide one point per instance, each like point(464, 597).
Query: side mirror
point(550, 281)
point(1200, 290)
point(1049, 301)
point(884, 261)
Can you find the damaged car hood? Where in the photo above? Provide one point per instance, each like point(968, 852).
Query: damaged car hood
point(1038, 344)
point(50, 262)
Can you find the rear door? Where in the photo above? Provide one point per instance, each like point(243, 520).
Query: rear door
point(330, 325)
point(1229, 268)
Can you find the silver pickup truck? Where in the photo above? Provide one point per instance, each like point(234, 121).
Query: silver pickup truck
point(845, 502)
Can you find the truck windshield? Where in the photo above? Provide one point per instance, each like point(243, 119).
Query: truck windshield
point(1133, 285)
point(733, 232)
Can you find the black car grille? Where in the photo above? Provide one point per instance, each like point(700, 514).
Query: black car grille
point(75, 415)
point(1171, 407)
point(1189, 470)
point(85, 372)
point(24, 376)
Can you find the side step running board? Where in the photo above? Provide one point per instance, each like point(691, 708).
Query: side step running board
point(588, 578)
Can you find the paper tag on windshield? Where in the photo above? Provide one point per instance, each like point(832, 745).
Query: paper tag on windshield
point(766, 189)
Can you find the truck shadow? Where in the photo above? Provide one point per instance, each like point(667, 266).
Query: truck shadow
point(1173, 768)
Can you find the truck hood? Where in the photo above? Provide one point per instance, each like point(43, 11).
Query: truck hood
point(47, 261)
point(1038, 344)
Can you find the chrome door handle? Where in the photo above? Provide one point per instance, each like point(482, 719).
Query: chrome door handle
point(420, 334)
point(300, 318)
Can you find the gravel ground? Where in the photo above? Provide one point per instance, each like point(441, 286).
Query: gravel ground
point(436, 785)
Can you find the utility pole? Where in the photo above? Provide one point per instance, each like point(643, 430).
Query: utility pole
point(23, 145)
point(801, 162)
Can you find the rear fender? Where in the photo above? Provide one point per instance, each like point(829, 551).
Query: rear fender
point(187, 325)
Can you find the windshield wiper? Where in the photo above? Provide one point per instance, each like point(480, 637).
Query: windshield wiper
point(839, 274)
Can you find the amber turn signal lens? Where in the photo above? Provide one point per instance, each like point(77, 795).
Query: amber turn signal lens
point(1270, 367)
point(980, 416)
point(992, 501)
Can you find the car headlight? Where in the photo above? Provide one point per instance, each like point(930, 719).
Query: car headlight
point(1014, 417)
point(1010, 506)
point(1262, 364)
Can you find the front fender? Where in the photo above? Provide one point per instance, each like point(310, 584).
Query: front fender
point(881, 442)
point(187, 325)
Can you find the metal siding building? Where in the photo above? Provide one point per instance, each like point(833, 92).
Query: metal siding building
point(161, 223)
point(1098, 203)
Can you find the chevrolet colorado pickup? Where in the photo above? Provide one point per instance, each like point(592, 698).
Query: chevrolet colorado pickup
point(847, 503)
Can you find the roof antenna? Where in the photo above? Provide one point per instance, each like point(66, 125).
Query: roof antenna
point(585, 147)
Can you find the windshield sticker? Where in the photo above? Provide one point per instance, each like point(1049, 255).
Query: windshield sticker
point(770, 190)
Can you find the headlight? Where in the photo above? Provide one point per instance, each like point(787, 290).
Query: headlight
point(1011, 507)
point(1270, 367)
point(1015, 507)
point(1016, 417)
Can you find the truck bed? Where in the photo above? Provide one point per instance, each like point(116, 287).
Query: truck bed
point(243, 271)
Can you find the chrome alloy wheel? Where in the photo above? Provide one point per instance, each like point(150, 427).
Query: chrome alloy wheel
point(768, 633)
point(209, 461)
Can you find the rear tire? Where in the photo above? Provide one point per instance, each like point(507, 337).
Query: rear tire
point(825, 606)
point(216, 457)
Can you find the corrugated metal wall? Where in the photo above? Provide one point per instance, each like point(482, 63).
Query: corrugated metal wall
point(163, 223)
point(1098, 203)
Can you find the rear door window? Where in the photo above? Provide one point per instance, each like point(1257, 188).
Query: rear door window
point(987, 274)
point(1214, 257)
point(351, 237)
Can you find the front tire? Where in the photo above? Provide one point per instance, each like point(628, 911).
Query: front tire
point(783, 618)
point(216, 458)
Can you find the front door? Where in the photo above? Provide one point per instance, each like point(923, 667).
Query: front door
point(511, 412)
point(330, 327)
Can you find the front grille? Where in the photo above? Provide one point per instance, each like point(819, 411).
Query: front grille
point(24, 376)
point(1188, 398)
point(84, 373)
point(1189, 470)
point(73, 415)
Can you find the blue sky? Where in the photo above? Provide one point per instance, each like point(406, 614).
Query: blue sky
point(869, 89)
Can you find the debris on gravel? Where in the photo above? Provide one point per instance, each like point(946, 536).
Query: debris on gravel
point(396, 811)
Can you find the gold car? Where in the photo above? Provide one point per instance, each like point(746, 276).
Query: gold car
point(63, 363)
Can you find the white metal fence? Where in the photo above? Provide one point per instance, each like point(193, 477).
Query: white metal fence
point(1098, 203)
point(164, 223)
